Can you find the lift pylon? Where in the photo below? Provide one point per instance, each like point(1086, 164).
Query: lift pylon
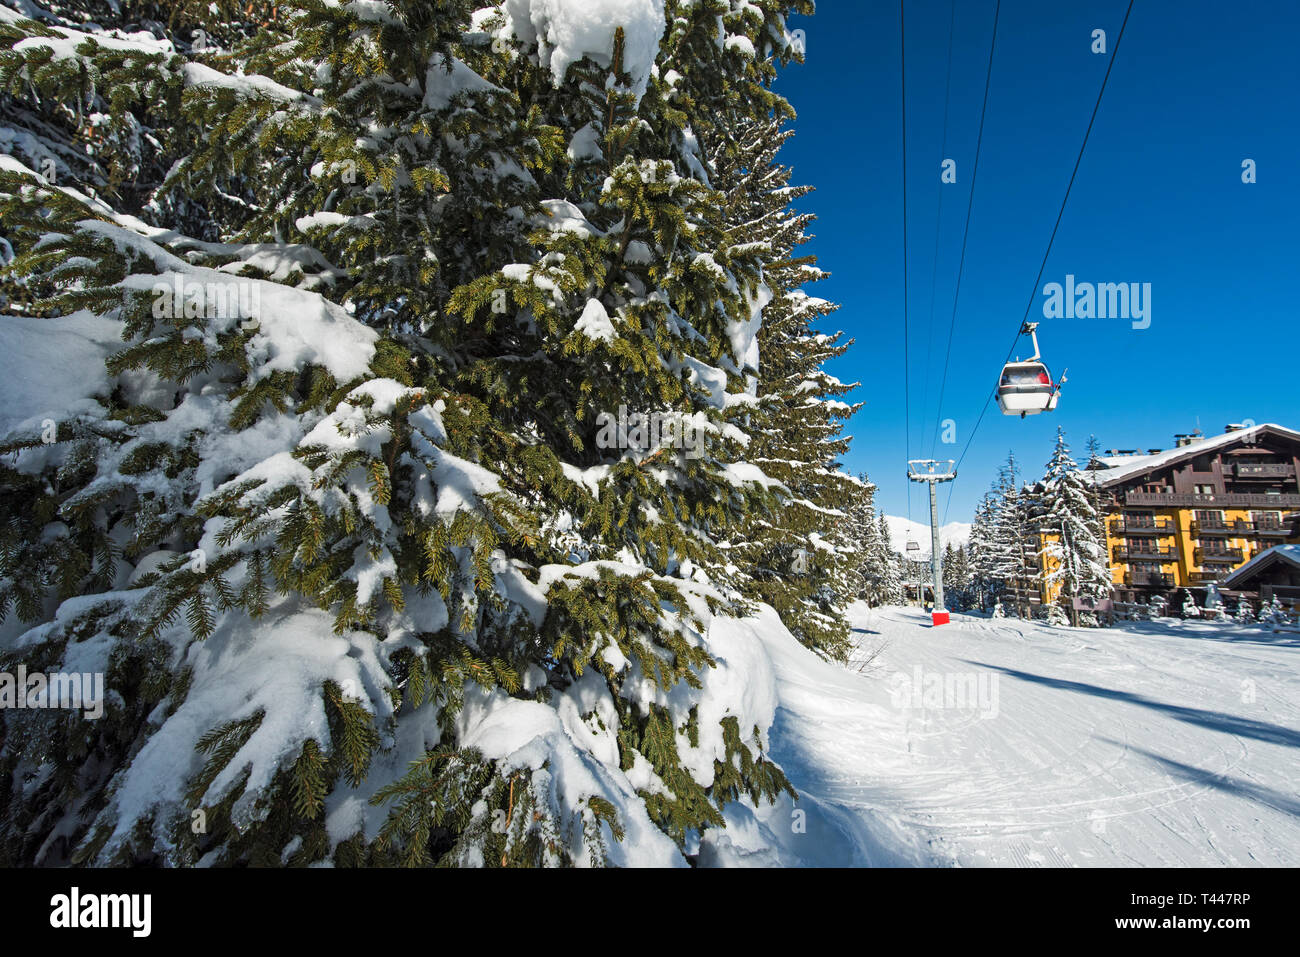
point(932, 472)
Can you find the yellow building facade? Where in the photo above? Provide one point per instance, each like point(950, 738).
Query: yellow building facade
point(1183, 518)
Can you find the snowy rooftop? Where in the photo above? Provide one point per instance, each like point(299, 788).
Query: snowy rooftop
point(1126, 466)
point(1285, 553)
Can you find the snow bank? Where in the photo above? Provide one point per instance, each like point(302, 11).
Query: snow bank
point(818, 713)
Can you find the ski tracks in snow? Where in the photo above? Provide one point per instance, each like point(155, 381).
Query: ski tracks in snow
point(1154, 744)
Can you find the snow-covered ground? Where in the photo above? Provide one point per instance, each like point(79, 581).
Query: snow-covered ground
point(1158, 743)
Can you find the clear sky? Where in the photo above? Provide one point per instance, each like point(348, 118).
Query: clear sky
point(1197, 88)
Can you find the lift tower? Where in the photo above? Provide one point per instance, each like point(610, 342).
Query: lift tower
point(932, 473)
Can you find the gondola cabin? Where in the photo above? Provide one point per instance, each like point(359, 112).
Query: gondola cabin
point(1026, 389)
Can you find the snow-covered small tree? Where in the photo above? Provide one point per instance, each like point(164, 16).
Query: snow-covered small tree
point(1272, 612)
point(1214, 609)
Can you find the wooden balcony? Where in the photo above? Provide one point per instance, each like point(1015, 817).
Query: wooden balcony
point(1122, 529)
point(1272, 531)
point(1139, 579)
point(1215, 575)
point(1269, 471)
point(1221, 529)
point(1144, 552)
point(1212, 500)
point(1227, 556)
point(1239, 529)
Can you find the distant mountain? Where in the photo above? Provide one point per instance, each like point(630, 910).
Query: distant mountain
point(901, 531)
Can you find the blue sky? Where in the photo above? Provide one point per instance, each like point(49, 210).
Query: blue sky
point(1197, 88)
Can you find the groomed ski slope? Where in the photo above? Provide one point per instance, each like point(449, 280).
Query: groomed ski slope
point(1165, 743)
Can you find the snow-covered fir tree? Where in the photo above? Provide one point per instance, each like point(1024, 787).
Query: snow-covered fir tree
point(1004, 566)
point(1066, 522)
point(876, 564)
point(983, 582)
point(800, 558)
point(1096, 494)
point(890, 587)
point(353, 514)
point(958, 591)
point(860, 529)
point(918, 575)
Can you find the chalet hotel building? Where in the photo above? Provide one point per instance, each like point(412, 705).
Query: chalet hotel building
point(1196, 513)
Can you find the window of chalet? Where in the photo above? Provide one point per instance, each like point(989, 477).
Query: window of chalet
point(1202, 463)
point(1266, 519)
point(1143, 549)
point(1209, 518)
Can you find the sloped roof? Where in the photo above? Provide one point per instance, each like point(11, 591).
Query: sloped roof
point(1122, 467)
point(1278, 553)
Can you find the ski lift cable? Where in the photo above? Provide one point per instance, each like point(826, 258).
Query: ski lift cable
point(970, 202)
point(938, 223)
point(1033, 292)
point(906, 390)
